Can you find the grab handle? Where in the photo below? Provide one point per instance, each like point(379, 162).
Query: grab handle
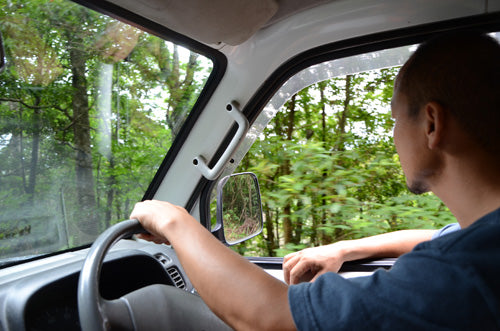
point(201, 163)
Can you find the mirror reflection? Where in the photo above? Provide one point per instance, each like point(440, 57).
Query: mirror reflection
point(241, 208)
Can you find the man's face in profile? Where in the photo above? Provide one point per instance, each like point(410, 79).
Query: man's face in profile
point(410, 144)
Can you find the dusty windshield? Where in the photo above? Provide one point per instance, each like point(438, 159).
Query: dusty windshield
point(89, 107)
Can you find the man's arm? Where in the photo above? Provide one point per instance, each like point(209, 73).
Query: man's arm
point(239, 292)
point(308, 264)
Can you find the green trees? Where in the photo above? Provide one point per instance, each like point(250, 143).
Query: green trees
point(89, 107)
point(241, 208)
point(329, 171)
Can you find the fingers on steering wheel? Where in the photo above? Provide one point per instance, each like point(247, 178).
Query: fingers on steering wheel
point(153, 238)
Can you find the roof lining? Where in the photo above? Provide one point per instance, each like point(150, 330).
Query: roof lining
point(217, 21)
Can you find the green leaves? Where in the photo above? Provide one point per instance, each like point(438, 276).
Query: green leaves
point(329, 171)
point(89, 108)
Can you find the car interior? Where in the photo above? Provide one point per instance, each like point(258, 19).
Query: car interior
point(66, 261)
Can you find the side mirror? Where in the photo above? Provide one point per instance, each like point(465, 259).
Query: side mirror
point(2, 54)
point(239, 208)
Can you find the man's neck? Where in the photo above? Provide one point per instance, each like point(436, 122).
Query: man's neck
point(470, 189)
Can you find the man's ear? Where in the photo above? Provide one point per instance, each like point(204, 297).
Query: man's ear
point(435, 115)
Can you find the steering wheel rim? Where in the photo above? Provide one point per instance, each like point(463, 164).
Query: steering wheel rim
point(90, 303)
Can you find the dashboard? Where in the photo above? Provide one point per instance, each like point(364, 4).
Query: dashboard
point(42, 294)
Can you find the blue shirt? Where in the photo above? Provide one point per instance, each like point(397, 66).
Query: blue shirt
point(452, 227)
point(450, 283)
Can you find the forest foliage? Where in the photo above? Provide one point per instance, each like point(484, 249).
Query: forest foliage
point(239, 208)
point(329, 171)
point(89, 107)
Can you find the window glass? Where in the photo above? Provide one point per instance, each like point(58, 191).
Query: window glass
point(326, 163)
point(89, 107)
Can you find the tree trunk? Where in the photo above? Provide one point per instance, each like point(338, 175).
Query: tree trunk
point(87, 220)
point(339, 147)
point(181, 92)
point(21, 145)
point(270, 240)
point(322, 236)
point(110, 184)
point(35, 146)
point(344, 114)
point(287, 210)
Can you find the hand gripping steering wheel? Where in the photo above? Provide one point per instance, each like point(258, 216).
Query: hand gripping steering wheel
point(151, 307)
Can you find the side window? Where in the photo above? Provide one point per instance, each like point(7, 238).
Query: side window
point(326, 162)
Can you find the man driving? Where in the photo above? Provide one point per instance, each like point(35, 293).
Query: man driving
point(446, 107)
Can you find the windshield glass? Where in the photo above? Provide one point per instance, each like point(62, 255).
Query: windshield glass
point(89, 107)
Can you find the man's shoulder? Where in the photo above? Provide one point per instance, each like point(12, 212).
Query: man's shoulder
point(449, 228)
point(482, 234)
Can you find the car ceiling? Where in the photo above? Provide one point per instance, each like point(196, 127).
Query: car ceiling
point(217, 22)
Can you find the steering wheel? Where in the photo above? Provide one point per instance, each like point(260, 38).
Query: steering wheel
point(147, 308)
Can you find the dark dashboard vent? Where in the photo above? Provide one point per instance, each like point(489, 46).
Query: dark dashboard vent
point(176, 277)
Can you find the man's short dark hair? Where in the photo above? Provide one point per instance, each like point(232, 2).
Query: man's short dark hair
point(460, 71)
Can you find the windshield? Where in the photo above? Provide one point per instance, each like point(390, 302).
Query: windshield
point(89, 107)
